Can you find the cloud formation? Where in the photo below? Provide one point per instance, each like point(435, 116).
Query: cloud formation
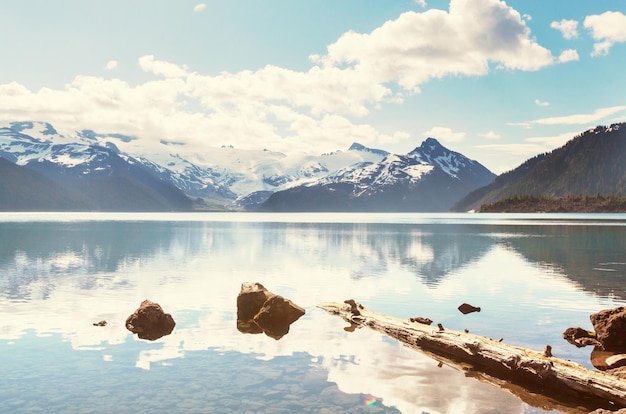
point(288, 110)
point(606, 29)
point(199, 7)
point(581, 119)
point(568, 28)
point(111, 64)
point(445, 134)
point(418, 47)
point(490, 135)
point(568, 55)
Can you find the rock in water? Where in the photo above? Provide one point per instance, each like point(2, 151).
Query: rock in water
point(466, 308)
point(251, 298)
point(580, 337)
point(259, 310)
point(150, 322)
point(610, 327)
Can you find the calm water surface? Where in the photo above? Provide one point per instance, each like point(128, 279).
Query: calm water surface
point(532, 275)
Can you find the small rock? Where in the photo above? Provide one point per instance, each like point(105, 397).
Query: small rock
point(259, 310)
point(275, 316)
point(150, 322)
point(580, 337)
point(547, 351)
point(466, 308)
point(440, 326)
point(419, 319)
point(101, 323)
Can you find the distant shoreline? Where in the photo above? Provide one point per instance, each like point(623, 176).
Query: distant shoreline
point(568, 204)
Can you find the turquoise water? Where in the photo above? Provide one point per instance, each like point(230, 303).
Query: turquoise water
point(532, 275)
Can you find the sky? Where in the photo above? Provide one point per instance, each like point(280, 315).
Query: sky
point(498, 81)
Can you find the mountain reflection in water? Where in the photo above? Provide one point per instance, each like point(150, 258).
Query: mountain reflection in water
point(58, 276)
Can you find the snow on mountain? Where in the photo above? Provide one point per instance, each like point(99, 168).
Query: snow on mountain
point(429, 178)
point(371, 177)
point(452, 163)
point(224, 174)
point(411, 168)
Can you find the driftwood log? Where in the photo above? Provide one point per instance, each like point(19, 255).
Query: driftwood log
point(538, 378)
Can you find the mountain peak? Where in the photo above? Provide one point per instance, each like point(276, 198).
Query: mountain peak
point(432, 147)
point(451, 162)
point(360, 147)
point(430, 142)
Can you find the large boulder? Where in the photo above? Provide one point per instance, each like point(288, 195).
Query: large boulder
point(259, 310)
point(610, 327)
point(150, 322)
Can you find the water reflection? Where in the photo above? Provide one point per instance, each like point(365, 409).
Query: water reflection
point(592, 256)
point(56, 279)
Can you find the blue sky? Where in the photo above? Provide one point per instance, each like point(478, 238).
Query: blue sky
point(497, 81)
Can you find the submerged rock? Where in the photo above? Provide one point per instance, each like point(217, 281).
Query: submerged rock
point(259, 310)
point(150, 321)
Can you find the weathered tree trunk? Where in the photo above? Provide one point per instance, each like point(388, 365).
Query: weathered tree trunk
point(554, 377)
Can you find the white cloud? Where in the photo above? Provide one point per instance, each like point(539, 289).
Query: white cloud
point(111, 64)
point(568, 55)
point(417, 47)
point(606, 29)
point(568, 28)
point(159, 67)
point(420, 2)
point(490, 135)
point(283, 109)
point(601, 48)
point(13, 89)
point(580, 119)
point(514, 149)
point(553, 141)
point(445, 134)
point(541, 103)
point(199, 7)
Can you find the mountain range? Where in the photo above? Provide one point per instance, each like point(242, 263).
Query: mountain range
point(429, 178)
point(42, 169)
point(109, 172)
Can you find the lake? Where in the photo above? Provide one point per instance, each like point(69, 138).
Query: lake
point(533, 275)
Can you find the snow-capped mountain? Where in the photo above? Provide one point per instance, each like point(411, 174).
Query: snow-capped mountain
point(226, 176)
point(94, 174)
point(429, 178)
